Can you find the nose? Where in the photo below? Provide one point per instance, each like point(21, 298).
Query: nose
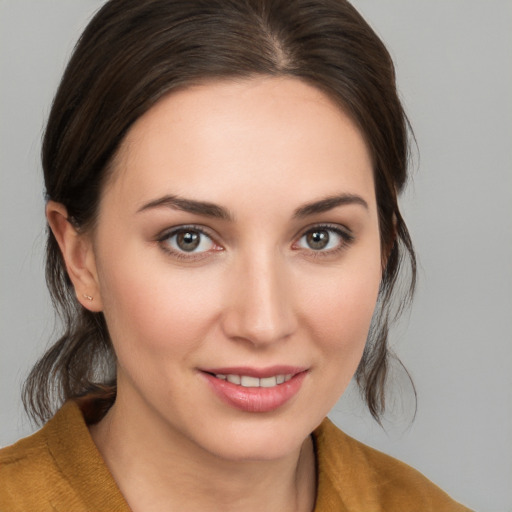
point(260, 303)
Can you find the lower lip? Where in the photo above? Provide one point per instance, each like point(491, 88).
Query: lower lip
point(256, 399)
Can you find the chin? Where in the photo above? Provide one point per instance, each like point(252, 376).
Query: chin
point(256, 438)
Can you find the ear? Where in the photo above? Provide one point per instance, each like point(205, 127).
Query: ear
point(77, 252)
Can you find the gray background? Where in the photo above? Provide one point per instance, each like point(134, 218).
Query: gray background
point(453, 59)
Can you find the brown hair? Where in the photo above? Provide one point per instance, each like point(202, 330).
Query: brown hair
point(135, 51)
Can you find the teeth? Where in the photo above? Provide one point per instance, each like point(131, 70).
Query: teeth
point(234, 379)
point(249, 382)
point(253, 382)
point(268, 382)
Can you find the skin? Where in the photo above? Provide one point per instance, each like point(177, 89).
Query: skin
point(254, 294)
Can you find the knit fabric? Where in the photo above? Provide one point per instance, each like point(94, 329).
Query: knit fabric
point(60, 469)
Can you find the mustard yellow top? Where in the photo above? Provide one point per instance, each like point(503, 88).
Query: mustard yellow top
point(60, 469)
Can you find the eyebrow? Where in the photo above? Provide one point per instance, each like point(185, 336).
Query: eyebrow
point(328, 203)
point(213, 210)
point(190, 206)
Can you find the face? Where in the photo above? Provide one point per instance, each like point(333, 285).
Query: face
point(238, 262)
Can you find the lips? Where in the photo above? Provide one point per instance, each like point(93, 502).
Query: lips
point(255, 390)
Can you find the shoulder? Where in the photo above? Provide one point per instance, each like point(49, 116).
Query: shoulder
point(28, 473)
point(364, 479)
point(22, 458)
point(57, 468)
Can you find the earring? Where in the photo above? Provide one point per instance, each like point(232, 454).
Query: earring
point(88, 297)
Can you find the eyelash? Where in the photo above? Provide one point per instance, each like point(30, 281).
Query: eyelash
point(183, 255)
point(346, 237)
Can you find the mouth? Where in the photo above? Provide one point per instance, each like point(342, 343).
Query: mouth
point(254, 390)
point(248, 381)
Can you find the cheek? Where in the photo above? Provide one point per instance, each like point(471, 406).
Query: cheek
point(340, 313)
point(155, 310)
point(341, 330)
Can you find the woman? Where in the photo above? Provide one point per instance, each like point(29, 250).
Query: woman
point(222, 181)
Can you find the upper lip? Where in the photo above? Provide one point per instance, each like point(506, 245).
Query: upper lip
point(260, 373)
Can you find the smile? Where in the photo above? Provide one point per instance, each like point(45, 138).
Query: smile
point(255, 391)
point(248, 381)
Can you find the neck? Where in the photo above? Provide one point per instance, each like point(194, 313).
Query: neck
point(159, 469)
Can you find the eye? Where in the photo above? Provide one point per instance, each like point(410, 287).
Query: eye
point(187, 240)
point(324, 238)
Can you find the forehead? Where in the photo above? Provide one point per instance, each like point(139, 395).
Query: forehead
point(235, 138)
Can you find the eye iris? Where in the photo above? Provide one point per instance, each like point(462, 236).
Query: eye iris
point(187, 240)
point(317, 239)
